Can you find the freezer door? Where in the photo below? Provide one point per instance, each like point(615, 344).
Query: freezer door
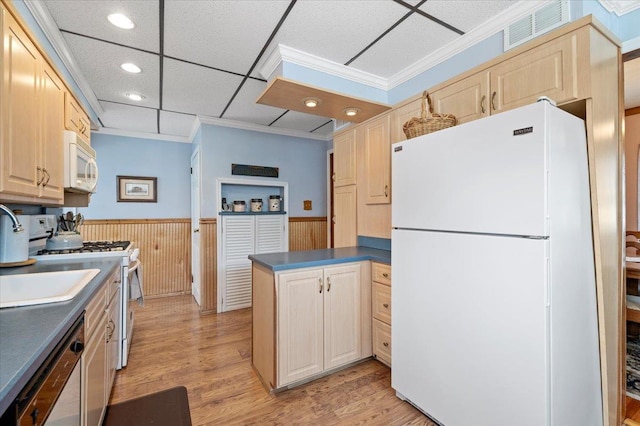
point(470, 340)
point(489, 175)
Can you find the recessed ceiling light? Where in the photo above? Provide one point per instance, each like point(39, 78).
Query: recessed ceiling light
point(351, 111)
point(135, 96)
point(121, 21)
point(132, 68)
point(311, 102)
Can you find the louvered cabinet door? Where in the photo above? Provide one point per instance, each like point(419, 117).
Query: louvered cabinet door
point(270, 234)
point(238, 242)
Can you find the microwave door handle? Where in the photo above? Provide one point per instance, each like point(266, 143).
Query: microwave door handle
point(95, 167)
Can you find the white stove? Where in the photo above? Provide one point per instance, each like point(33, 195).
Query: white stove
point(43, 227)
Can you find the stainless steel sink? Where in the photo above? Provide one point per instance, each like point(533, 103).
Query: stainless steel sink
point(43, 287)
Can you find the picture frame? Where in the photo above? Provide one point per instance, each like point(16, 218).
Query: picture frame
point(137, 189)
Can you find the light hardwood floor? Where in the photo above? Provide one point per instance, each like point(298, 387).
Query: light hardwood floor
point(210, 355)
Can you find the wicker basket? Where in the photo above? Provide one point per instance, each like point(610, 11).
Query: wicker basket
point(428, 121)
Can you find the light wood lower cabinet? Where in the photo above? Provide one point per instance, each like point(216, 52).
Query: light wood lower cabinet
point(309, 321)
point(381, 311)
point(100, 356)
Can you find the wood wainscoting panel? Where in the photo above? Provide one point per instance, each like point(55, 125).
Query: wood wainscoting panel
point(307, 233)
point(165, 249)
point(208, 266)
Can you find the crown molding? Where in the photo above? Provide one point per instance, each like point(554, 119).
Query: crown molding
point(261, 128)
point(630, 45)
point(469, 39)
point(620, 7)
point(288, 54)
point(141, 135)
point(52, 33)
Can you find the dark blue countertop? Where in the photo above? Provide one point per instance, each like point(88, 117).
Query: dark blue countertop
point(311, 258)
point(28, 334)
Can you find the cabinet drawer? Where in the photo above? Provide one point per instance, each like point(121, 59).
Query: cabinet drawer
point(382, 341)
point(381, 302)
point(381, 273)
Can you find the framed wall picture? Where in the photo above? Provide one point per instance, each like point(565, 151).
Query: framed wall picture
point(137, 189)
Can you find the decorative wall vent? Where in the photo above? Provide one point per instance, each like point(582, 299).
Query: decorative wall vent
point(531, 26)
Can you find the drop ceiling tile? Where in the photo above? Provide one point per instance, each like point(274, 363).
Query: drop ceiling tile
point(172, 123)
point(326, 129)
point(100, 63)
point(223, 34)
point(409, 42)
point(334, 29)
point(465, 15)
point(245, 108)
point(301, 121)
point(126, 117)
point(90, 18)
point(194, 89)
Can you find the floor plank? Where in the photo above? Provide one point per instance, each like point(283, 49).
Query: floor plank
point(173, 345)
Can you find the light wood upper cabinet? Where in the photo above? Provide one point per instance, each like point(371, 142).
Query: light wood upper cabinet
point(377, 160)
point(466, 99)
point(401, 115)
point(345, 231)
point(18, 111)
point(555, 67)
point(75, 119)
point(52, 136)
point(344, 158)
point(31, 121)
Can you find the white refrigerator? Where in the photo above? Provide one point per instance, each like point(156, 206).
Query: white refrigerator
point(494, 319)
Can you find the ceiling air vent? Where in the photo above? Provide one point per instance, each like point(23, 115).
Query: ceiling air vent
point(531, 26)
point(339, 124)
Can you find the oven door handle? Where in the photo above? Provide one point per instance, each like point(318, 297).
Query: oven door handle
point(135, 266)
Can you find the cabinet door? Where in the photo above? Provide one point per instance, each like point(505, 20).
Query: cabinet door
point(238, 242)
point(75, 118)
point(270, 234)
point(401, 115)
point(467, 99)
point(342, 326)
point(344, 158)
point(300, 325)
point(94, 377)
point(18, 111)
point(344, 200)
point(113, 339)
point(554, 66)
point(51, 135)
point(377, 161)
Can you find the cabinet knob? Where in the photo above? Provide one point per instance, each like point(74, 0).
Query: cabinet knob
point(386, 275)
point(196, 230)
point(385, 344)
point(386, 305)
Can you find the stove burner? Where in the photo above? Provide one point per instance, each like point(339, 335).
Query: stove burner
point(91, 247)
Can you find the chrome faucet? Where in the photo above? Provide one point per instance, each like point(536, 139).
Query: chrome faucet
point(16, 223)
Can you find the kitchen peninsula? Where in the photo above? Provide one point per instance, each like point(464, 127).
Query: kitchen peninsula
point(311, 312)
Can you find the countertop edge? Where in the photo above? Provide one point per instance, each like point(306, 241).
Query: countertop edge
point(316, 258)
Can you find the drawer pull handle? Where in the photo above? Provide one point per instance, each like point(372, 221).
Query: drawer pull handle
point(320, 282)
point(386, 305)
point(386, 191)
point(385, 344)
point(484, 98)
point(386, 275)
point(328, 284)
point(493, 100)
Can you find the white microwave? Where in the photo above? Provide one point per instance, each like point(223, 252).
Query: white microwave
point(80, 167)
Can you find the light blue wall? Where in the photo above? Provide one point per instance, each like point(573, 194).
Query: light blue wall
point(302, 164)
point(126, 156)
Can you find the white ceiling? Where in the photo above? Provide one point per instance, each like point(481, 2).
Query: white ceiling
point(203, 58)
